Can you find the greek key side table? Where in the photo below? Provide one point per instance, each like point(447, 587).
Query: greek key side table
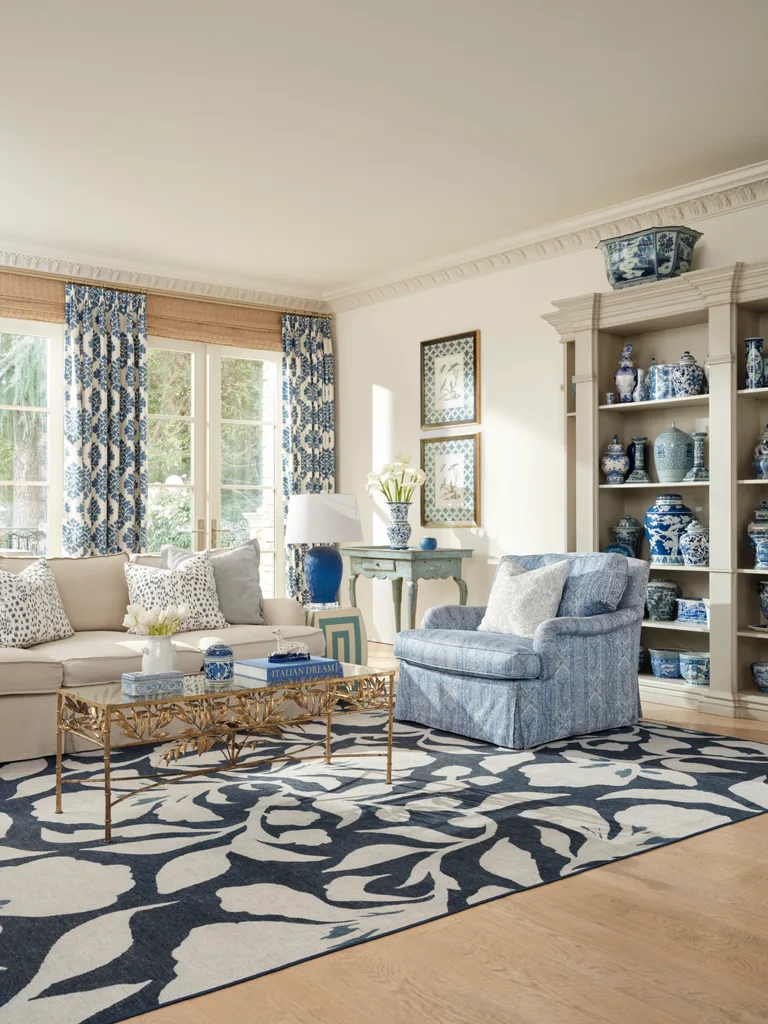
point(411, 565)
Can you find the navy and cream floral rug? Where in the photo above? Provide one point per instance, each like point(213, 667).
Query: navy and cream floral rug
point(211, 882)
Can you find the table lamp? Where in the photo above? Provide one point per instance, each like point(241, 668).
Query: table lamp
point(323, 519)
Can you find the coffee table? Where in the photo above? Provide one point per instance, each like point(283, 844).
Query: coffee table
point(235, 716)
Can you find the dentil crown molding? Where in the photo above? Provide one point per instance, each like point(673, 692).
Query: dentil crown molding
point(700, 200)
point(125, 278)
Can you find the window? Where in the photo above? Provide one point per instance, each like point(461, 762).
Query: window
point(31, 437)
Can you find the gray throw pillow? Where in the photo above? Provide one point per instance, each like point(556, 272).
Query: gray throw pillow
point(236, 572)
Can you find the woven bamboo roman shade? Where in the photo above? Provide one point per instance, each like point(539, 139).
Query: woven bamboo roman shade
point(33, 297)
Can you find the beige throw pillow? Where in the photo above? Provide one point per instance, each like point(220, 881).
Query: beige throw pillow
point(521, 600)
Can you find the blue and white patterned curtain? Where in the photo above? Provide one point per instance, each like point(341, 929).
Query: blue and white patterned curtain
point(105, 421)
point(309, 462)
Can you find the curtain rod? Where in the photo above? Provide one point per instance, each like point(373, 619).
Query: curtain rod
point(161, 291)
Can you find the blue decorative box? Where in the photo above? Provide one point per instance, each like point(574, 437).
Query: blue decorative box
point(652, 255)
point(151, 684)
point(219, 663)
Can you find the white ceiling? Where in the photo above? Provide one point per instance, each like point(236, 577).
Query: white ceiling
point(308, 145)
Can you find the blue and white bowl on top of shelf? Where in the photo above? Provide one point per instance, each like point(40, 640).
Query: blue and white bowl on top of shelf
point(655, 254)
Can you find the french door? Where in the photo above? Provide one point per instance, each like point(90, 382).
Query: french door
point(214, 450)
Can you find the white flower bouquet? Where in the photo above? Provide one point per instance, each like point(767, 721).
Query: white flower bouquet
point(155, 621)
point(397, 481)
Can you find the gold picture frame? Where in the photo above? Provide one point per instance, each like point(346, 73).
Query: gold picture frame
point(450, 381)
point(458, 472)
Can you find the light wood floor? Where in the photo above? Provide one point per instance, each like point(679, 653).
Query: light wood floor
point(676, 935)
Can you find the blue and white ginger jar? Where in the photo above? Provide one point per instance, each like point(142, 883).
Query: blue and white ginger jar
point(665, 522)
point(625, 377)
point(694, 544)
point(758, 528)
point(615, 462)
point(219, 664)
point(688, 377)
point(673, 453)
point(629, 533)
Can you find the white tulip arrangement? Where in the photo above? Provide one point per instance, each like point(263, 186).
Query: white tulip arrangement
point(155, 621)
point(397, 480)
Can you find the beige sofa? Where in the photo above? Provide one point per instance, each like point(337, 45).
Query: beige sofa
point(94, 594)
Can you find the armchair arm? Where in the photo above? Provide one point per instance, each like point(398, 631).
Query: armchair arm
point(556, 636)
point(453, 616)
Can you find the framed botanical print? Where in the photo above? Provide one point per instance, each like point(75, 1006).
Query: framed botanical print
point(450, 495)
point(450, 381)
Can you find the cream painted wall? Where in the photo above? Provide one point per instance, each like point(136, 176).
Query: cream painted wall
point(522, 430)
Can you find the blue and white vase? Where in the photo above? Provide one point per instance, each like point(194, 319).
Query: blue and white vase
point(660, 598)
point(615, 462)
point(694, 544)
point(673, 455)
point(665, 522)
point(398, 528)
point(219, 663)
point(761, 553)
point(640, 394)
point(660, 384)
point(754, 359)
point(760, 456)
point(625, 377)
point(699, 471)
point(687, 377)
point(758, 528)
point(639, 474)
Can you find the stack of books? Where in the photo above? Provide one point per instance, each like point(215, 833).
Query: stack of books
point(151, 684)
point(262, 670)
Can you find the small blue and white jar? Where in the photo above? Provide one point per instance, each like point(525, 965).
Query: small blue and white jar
point(754, 362)
point(688, 377)
point(694, 544)
point(625, 378)
point(614, 462)
point(694, 667)
point(219, 665)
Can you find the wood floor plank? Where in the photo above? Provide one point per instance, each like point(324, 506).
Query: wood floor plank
point(675, 936)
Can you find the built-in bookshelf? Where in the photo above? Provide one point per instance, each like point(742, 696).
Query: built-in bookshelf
point(708, 313)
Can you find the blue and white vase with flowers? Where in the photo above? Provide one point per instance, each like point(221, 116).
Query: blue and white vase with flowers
point(157, 625)
point(397, 481)
point(665, 522)
point(625, 377)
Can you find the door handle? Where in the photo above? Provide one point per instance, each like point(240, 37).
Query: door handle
point(216, 530)
point(200, 531)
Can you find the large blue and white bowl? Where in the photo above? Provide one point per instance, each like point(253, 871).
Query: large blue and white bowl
point(665, 664)
point(652, 255)
point(694, 667)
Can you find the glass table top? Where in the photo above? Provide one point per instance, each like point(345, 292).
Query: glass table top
point(198, 686)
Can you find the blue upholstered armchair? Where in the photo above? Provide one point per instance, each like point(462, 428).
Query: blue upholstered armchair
point(577, 675)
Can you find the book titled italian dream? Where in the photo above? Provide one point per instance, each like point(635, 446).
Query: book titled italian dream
point(262, 670)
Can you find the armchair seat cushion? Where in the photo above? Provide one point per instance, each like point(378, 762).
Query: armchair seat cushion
point(467, 652)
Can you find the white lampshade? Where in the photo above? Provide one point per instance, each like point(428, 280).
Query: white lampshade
point(322, 519)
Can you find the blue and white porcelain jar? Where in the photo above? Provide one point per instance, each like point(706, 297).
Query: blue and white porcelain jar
point(759, 671)
point(758, 528)
point(694, 667)
point(614, 462)
point(398, 528)
point(688, 377)
point(665, 664)
point(754, 362)
point(660, 597)
point(760, 456)
point(694, 544)
point(629, 533)
point(626, 375)
point(761, 553)
point(660, 384)
point(665, 522)
point(762, 594)
point(219, 664)
point(673, 452)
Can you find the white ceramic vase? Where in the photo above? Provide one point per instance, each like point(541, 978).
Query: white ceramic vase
point(158, 655)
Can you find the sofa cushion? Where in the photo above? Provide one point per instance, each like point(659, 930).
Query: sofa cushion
point(521, 599)
point(467, 652)
point(93, 590)
point(596, 581)
point(102, 657)
point(236, 572)
point(253, 641)
point(28, 671)
point(192, 584)
point(31, 611)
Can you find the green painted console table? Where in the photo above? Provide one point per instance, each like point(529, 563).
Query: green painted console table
point(411, 565)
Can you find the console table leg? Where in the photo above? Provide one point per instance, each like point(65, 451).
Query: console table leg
point(462, 589)
point(413, 593)
point(353, 591)
point(397, 598)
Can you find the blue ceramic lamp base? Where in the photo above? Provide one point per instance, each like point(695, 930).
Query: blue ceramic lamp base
point(323, 568)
